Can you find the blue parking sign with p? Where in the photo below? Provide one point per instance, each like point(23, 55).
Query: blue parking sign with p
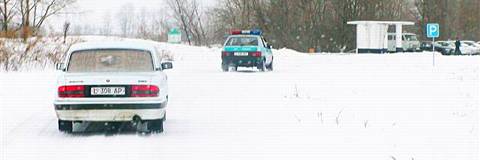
point(433, 30)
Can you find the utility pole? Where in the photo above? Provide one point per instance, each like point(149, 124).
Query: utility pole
point(446, 19)
point(67, 24)
point(66, 27)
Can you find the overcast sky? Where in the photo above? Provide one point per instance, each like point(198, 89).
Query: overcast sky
point(94, 11)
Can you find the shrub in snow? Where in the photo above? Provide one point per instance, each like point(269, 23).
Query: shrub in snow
point(35, 53)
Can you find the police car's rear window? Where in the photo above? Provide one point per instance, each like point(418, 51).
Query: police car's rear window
point(111, 60)
point(242, 41)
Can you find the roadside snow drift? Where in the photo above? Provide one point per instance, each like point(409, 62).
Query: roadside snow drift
point(331, 106)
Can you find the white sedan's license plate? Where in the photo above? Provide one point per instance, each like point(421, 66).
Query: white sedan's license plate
point(107, 91)
point(240, 54)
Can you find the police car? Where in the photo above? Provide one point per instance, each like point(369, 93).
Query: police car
point(112, 82)
point(247, 48)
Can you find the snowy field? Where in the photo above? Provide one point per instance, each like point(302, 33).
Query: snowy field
point(330, 107)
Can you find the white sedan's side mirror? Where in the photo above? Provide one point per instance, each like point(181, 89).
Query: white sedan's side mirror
point(60, 66)
point(167, 65)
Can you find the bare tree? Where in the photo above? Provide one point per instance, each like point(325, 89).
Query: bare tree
point(190, 20)
point(34, 13)
point(142, 26)
point(178, 7)
point(153, 25)
point(429, 12)
point(106, 28)
point(126, 20)
point(7, 12)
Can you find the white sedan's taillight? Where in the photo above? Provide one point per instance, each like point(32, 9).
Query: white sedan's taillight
point(71, 91)
point(145, 91)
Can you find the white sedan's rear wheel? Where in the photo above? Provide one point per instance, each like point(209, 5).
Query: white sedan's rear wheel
point(164, 117)
point(155, 126)
point(65, 126)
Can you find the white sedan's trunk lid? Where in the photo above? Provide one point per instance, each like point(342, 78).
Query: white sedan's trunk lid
point(108, 78)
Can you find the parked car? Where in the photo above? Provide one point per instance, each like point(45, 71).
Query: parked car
point(426, 46)
point(444, 47)
point(410, 42)
point(474, 46)
point(112, 82)
point(247, 48)
point(465, 49)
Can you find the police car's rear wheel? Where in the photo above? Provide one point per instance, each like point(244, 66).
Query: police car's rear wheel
point(65, 126)
point(262, 66)
point(224, 68)
point(232, 68)
point(270, 66)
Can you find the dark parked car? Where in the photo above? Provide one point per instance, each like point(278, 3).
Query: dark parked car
point(444, 48)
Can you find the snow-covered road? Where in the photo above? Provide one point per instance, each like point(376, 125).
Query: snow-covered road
point(361, 107)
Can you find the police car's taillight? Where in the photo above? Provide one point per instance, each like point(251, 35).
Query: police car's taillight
point(256, 54)
point(71, 91)
point(145, 91)
point(226, 54)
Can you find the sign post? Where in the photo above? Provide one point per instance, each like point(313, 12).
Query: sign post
point(433, 31)
point(175, 36)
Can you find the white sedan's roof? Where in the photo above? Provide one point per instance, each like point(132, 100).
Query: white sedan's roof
point(113, 45)
point(382, 22)
point(403, 34)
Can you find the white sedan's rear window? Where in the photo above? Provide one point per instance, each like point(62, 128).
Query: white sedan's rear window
point(112, 60)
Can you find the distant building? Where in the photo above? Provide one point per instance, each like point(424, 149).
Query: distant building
point(372, 36)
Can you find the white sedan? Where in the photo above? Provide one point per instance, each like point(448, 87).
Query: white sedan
point(465, 49)
point(475, 46)
point(112, 82)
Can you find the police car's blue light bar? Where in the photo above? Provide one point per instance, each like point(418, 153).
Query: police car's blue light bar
point(247, 32)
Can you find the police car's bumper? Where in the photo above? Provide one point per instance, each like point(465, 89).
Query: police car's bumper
point(242, 61)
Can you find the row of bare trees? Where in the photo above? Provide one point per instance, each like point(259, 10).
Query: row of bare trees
point(26, 17)
point(458, 19)
point(304, 24)
point(300, 24)
point(154, 24)
point(322, 24)
point(130, 22)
